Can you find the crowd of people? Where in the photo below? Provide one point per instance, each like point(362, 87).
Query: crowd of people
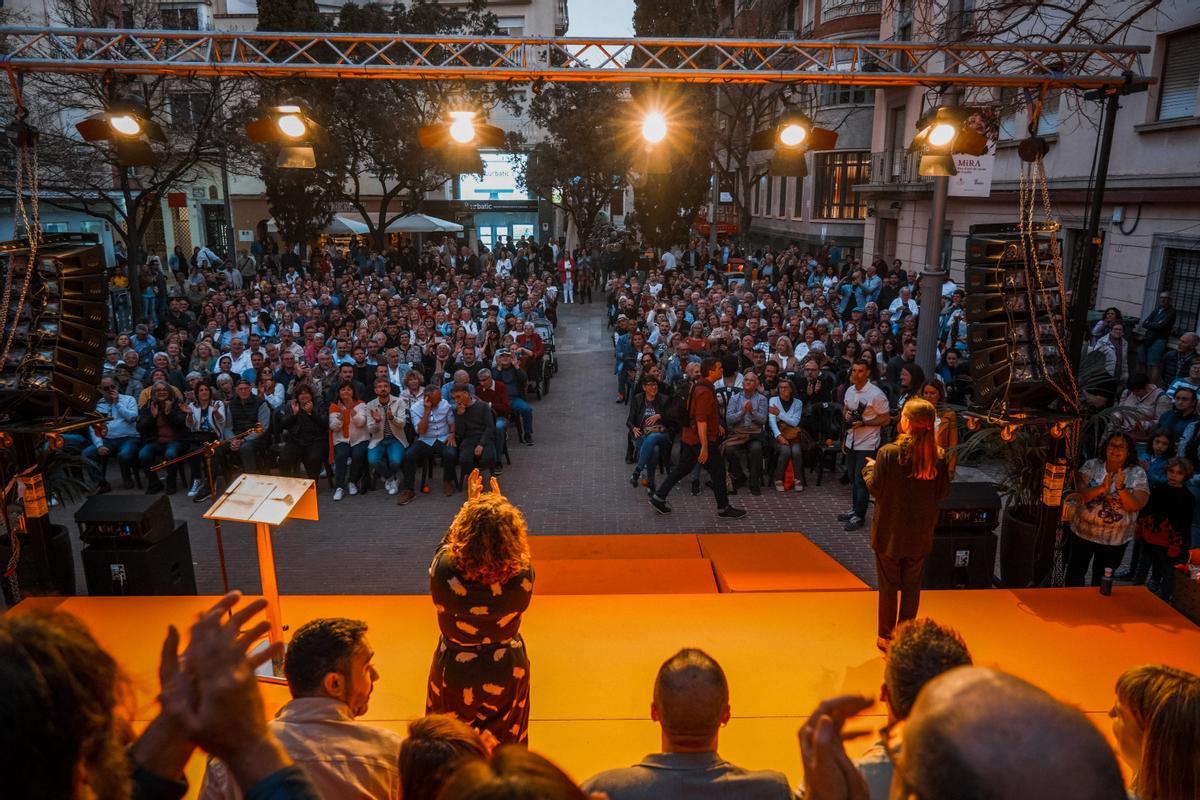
point(953, 729)
point(367, 367)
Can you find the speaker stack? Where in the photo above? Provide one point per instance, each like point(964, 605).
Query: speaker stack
point(1015, 314)
point(964, 540)
point(134, 547)
point(58, 333)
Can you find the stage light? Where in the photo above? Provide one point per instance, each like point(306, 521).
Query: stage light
point(1008, 433)
point(293, 129)
point(654, 127)
point(125, 124)
point(941, 133)
point(792, 134)
point(54, 441)
point(462, 126)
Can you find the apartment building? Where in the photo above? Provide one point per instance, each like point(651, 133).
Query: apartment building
point(824, 205)
point(1150, 217)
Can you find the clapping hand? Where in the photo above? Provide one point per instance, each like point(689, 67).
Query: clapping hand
point(475, 485)
point(829, 774)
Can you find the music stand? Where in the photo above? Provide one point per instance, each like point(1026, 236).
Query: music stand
point(263, 501)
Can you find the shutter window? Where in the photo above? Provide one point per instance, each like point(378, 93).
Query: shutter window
point(1180, 76)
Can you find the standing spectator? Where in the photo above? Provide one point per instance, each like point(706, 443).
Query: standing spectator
point(481, 582)
point(163, 431)
point(1178, 361)
point(387, 420)
point(865, 410)
point(1159, 325)
point(1111, 492)
point(348, 424)
point(945, 427)
point(1164, 528)
point(306, 434)
point(1115, 349)
point(785, 412)
point(690, 705)
point(908, 479)
point(1143, 403)
point(515, 382)
point(330, 676)
point(700, 444)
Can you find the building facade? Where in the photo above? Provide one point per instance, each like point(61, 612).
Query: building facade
point(1150, 217)
point(824, 205)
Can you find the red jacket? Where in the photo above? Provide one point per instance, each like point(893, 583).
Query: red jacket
point(532, 342)
point(497, 397)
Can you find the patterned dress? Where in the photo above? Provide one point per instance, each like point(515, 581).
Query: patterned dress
point(480, 670)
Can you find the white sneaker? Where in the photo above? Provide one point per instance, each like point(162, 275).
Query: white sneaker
point(392, 486)
point(799, 487)
point(338, 494)
point(353, 489)
point(195, 490)
point(779, 486)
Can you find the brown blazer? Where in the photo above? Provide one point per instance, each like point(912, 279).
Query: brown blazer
point(906, 508)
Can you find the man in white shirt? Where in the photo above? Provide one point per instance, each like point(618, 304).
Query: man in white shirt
point(387, 416)
point(330, 677)
point(239, 355)
point(120, 437)
point(865, 411)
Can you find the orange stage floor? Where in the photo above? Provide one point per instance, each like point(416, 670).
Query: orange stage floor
point(594, 657)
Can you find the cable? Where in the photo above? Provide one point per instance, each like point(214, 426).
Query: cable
point(1136, 222)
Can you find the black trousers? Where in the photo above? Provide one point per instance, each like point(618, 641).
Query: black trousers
point(1084, 553)
point(468, 461)
point(688, 455)
point(898, 576)
point(420, 452)
point(311, 456)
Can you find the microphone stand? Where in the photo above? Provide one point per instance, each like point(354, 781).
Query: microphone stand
point(207, 451)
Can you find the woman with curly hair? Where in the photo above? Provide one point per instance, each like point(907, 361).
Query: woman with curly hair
point(481, 580)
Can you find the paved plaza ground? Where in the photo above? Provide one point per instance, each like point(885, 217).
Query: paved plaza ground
point(574, 480)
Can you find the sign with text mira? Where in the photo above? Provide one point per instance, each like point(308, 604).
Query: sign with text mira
point(499, 179)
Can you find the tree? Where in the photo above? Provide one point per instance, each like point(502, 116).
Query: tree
point(579, 164)
point(666, 205)
point(86, 176)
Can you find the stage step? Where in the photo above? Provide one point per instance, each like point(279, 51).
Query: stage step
point(774, 562)
point(624, 576)
point(636, 545)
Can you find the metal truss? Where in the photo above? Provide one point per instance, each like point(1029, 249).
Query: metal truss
point(238, 54)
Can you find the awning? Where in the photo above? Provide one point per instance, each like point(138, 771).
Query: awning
point(423, 223)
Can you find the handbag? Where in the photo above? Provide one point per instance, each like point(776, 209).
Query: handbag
point(790, 432)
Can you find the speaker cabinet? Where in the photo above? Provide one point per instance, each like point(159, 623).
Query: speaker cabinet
point(163, 567)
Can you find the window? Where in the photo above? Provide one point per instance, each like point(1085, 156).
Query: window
point(781, 209)
point(808, 15)
point(511, 26)
point(616, 203)
point(1181, 277)
point(188, 109)
point(55, 227)
point(1008, 113)
point(834, 176)
point(798, 198)
point(838, 95)
point(1180, 76)
point(770, 186)
point(179, 18)
point(1048, 121)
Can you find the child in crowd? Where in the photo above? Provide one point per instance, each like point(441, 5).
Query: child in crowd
point(1155, 462)
point(1163, 527)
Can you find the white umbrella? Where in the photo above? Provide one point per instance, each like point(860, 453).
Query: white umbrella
point(338, 226)
point(423, 223)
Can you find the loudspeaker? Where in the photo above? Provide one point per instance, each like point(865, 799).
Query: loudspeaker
point(1015, 309)
point(161, 568)
point(60, 327)
point(964, 539)
point(126, 520)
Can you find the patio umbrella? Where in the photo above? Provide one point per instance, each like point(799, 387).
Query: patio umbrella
point(423, 223)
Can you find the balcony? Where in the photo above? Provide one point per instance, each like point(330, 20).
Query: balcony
point(836, 9)
point(896, 171)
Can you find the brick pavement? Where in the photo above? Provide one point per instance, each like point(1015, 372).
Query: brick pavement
point(573, 481)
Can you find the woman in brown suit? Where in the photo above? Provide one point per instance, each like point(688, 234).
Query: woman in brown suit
point(908, 479)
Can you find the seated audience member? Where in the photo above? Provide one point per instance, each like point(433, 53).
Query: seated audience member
point(330, 677)
point(495, 395)
point(512, 773)
point(1156, 723)
point(66, 729)
point(474, 431)
point(691, 704)
point(784, 414)
point(348, 423)
point(306, 434)
point(920, 650)
point(436, 746)
point(163, 429)
point(433, 419)
point(387, 421)
point(246, 410)
point(745, 421)
point(120, 435)
point(207, 422)
point(972, 732)
point(648, 429)
point(515, 381)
